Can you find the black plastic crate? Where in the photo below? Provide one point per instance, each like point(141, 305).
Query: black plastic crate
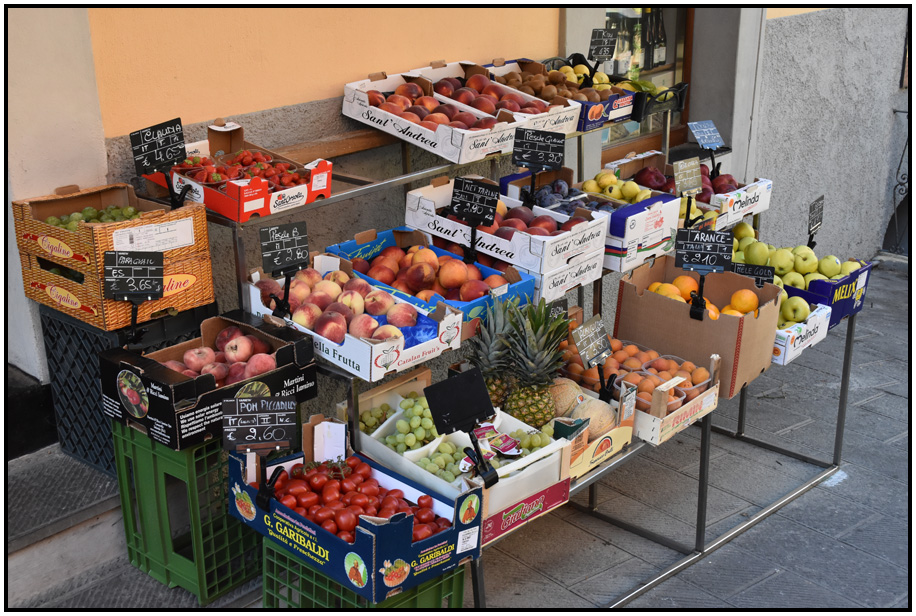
point(83, 431)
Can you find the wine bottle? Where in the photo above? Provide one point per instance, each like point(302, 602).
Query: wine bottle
point(647, 37)
point(661, 39)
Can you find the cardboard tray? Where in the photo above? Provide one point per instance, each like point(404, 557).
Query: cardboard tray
point(744, 343)
point(790, 342)
point(844, 297)
point(184, 411)
point(750, 198)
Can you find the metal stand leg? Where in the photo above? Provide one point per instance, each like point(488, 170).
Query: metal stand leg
point(580, 296)
point(742, 411)
point(703, 488)
point(480, 595)
point(597, 295)
point(241, 267)
point(844, 390)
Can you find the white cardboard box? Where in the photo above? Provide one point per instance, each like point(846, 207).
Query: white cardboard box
point(646, 235)
point(792, 341)
point(556, 283)
point(750, 199)
point(372, 360)
point(533, 253)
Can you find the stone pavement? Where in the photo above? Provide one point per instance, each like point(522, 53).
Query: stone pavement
point(843, 544)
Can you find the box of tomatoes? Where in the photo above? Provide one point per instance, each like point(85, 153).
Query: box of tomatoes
point(241, 180)
point(365, 526)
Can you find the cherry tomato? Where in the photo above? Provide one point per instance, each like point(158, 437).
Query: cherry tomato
point(289, 500)
point(357, 510)
point(296, 471)
point(330, 495)
point(345, 519)
point(281, 480)
point(396, 493)
point(386, 512)
point(356, 479)
point(358, 499)
point(389, 502)
point(301, 511)
point(330, 526)
point(425, 501)
point(308, 499)
point(297, 487)
point(337, 505)
point(346, 536)
point(370, 510)
point(421, 532)
point(353, 462)
point(425, 515)
point(317, 481)
point(347, 485)
point(363, 469)
point(314, 508)
point(367, 488)
point(325, 513)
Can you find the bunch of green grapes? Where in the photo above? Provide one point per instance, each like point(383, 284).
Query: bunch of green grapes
point(90, 215)
point(443, 463)
point(370, 420)
point(416, 428)
point(529, 442)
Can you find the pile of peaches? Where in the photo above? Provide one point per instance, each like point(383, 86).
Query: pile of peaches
point(644, 368)
point(336, 304)
point(233, 357)
point(408, 102)
point(486, 96)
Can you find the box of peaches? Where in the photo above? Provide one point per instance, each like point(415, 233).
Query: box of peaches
point(364, 329)
point(175, 394)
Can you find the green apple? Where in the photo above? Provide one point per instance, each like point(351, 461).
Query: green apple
point(847, 267)
point(757, 253)
point(784, 295)
point(794, 279)
point(743, 230)
point(777, 281)
point(738, 257)
point(795, 309)
point(783, 261)
point(829, 266)
point(801, 248)
point(734, 244)
point(805, 262)
point(784, 324)
point(744, 242)
point(771, 251)
point(838, 277)
point(813, 276)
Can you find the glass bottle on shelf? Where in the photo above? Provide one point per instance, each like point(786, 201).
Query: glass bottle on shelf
point(636, 56)
point(661, 39)
point(647, 39)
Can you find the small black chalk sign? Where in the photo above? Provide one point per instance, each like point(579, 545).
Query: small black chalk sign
point(132, 276)
point(703, 251)
point(706, 134)
point(283, 247)
point(251, 422)
point(538, 149)
point(687, 175)
point(592, 341)
point(760, 273)
point(459, 402)
point(602, 45)
point(158, 146)
point(474, 201)
point(559, 307)
point(815, 215)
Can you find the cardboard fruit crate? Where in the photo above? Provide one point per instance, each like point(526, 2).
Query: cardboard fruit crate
point(186, 284)
point(744, 344)
point(241, 200)
point(183, 411)
point(845, 296)
point(750, 198)
point(790, 342)
point(590, 450)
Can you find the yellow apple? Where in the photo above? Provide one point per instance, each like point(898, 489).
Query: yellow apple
point(742, 230)
point(829, 266)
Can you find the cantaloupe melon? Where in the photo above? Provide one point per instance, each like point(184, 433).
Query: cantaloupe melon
point(565, 393)
point(600, 415)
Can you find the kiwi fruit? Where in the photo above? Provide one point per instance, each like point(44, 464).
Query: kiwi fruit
point(548, 92)
point(603, 95)
point(556, 77)
point(527, 90)
point(580, 97)
point(591, 94)
point(501, 79)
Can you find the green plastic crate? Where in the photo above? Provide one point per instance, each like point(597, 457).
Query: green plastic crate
point(291, 583)
point(176, 519)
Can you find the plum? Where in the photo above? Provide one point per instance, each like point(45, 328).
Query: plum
point(561, 188)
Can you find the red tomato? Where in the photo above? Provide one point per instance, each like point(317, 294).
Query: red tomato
point(346, 536)
point(361, 500)
point(374, 501)
point(363, 469)
point(386, 512)
point(325, 513)
point(356, 510)
point(297, 487)
point(310, 472)
point(346, 519)
point(337, 505)
point(347, 485)
point(443, 523)
point(281, 481)
point(353, 462)
point(425, 501)
point(421, 532)
point(330, 526)
point(333, 483)
point(356, 479)
point(289, 500)
point(425, 515)
point(396, 493)
point(367, 488)
point(308, 499)
point(370, 510)
point(301, 511)
point(389, 502)
point(404, 508)
point(317, 481)
point(296, 471)
point(330, 495)
point(314, 508)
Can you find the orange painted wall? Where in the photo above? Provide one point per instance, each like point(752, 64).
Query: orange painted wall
point(773, 13)
point(156, 64)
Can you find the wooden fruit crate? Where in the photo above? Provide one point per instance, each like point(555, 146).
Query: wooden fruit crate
point(179, 234)
point(187, 283)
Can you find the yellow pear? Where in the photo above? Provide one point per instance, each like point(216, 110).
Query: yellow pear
point(629, 190)
point(606, 179)
point(591, 186)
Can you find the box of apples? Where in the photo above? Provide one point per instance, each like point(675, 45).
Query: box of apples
point(369, 528)
point(176, 393)
point(365, 330)
point(406, 107)
point(403, 262)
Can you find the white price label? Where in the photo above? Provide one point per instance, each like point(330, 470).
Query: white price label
point(155, 238)
point(467, 539)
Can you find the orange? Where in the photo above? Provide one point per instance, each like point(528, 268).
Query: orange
point(685, 285)
point(674, 296)
point(667, 288)
point(654, 286)
point(732, 312)
point(631, 350)
point(745, 300)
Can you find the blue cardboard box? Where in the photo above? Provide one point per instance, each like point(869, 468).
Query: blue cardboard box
point(845, 296)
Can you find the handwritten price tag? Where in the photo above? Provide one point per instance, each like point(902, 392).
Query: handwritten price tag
point(255, 421)
point(602, 45)
point(132, 275)
point(284, 246)
point(592, 341)
point(706, 134)
point(158, 146)
point(538, 148)
point(474, 201)
point(704, 251)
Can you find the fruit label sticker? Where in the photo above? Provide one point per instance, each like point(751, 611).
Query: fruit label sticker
point(760, 273)
point(602, 45)
point(485, 431)
point(284, 247)
point(252, 422)
point(468, 539)
point(628, 404)
point(320, 181)
point(815, 215)
point(592, 341)
point(161, 237)
point(474, 201)
point(703, 251)
point(687, 176)
point(538, 149)
point(158, 146)
point(706, 134)
point(133, 275)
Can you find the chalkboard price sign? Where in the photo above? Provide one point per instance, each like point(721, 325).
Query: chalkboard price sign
point(760, 273)
point(602, 45)
point(538, 148)
point(252, 422)
point(459, 402)
point(706, 134)
point(284, 247)
point(158, 146)
point(687, 175)
point(474, 201)
point(592, 341)
point(703, 251)
point(558, 307)
point(815, 215)
point(132, 275)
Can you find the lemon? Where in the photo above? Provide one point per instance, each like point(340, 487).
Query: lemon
point(591, 186)
point(606, 179)
point(710, 214)
point(629, 190)
point(600, 77)
point(567, 69)
point(602, 86)
point(645, 193)
point(627, 86)
point(581, 69)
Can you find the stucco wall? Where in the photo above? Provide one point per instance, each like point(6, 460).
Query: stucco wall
point(825, 125)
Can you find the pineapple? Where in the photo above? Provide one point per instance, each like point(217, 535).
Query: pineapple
point(534, 358)
point(488, 350)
